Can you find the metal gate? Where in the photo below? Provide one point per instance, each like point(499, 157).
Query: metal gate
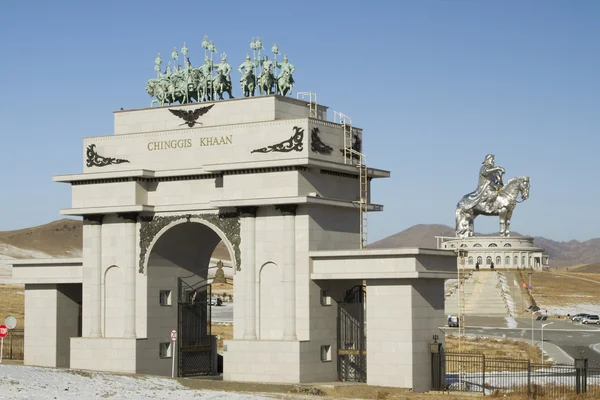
point(194, 336)
point(352, 342)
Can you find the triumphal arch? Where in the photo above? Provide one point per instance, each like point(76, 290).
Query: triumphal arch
point(280, 180)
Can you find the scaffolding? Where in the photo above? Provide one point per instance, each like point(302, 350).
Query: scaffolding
point(355, 157)
point(312, 102)
point(462, 276)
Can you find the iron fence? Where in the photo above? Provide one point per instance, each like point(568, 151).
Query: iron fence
point(473, 372)
point(13, 348)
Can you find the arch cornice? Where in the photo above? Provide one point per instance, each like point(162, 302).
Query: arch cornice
point(226, 225)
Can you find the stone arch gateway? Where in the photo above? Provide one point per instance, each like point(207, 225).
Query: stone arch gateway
point(281, 186)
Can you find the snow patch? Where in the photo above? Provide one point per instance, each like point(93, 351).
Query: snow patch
point(22, 382)
point(506, 294)
point(568, 309)
point(6, 250)
point(510, 322)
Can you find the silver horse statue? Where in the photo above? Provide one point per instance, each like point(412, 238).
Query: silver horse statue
point(492, 197)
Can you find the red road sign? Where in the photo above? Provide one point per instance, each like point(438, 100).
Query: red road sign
point(3, 331)
point(173, 335)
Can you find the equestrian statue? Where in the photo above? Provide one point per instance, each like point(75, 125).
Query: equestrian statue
point(186, 84)
point(492, 197)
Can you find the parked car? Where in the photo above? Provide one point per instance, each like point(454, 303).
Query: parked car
point(215, 301)
point(591, 319)
point(578, 317)
point(452, 321)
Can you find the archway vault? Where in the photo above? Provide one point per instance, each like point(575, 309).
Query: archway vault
point(226, 225)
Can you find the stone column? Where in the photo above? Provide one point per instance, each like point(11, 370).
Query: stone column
point(248, 215)
point(129, 271)
point(92, 250)
point(289, 276)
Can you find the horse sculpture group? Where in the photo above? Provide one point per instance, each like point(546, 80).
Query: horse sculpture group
point(492, 198)
point(192, 85)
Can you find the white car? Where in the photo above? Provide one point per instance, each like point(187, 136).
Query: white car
point(591, 319)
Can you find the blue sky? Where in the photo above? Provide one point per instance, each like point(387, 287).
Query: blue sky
point(436, 85)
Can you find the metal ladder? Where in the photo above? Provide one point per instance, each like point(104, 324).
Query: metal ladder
point(350, 154)
point(312, 102)
point(363, 201)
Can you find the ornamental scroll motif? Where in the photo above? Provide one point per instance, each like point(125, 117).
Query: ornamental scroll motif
point(317, 144)
point(96, 160)
point(293, 143)
point(228, 223)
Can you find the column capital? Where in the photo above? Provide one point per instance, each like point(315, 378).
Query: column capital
point(247, 211)
point(128, 216)
point(93, 219)
point(287, 209)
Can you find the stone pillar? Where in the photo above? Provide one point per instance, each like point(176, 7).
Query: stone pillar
point(130, 271)
point(92, 247)
point(248, 215)
point(289, 275)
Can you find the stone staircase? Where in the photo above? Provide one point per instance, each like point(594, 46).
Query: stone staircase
point(487, 293)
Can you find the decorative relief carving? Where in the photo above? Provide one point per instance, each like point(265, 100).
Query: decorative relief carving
point(247, 211)
point(356, 146)
point(287, 209)
point(293, 143)
point(128, 216)
point(191, 116)
point(96, 160)
point(93, 219)
point(317, 144)
point(228, 223)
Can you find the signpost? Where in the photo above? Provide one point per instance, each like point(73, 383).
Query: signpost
point(3, 333)
point(173, 351)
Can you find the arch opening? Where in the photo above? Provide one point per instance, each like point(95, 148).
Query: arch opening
point(182, 264)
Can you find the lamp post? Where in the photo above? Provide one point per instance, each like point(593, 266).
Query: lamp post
point(530, 273)
point(543, 325)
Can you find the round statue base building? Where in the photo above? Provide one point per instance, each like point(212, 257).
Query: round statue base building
point(496, 251)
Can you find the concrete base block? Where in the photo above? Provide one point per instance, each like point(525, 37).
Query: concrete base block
point(272, 361)
point(103, 354)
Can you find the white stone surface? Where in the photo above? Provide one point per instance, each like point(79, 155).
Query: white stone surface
point(51, 318)
point(175, 172)
point(505, 252)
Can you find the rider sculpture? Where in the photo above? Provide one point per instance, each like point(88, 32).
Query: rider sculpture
point(248, 79)
point(266, 79)
point(285, 79)
point(222, 81)
point(491, 197)
point(186, 84)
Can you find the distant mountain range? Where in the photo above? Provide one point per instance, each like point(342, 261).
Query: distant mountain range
point(561, 254)
point(63, 238)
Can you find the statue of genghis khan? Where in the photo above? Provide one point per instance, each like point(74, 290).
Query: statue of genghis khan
point(491, 197)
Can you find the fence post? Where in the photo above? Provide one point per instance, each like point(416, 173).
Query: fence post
point(580, 375)
point(483, 375)
point(584, 377)
point(529, 378)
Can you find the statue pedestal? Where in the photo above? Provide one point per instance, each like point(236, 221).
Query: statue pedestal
point(501, 252)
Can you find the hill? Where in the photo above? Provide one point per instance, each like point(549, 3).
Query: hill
point(572, 252)
point(62, 238)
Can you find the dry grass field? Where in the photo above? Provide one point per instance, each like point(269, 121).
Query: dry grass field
point(224, 332)
point(496, 348)
point(12, 302)
point(562, 288)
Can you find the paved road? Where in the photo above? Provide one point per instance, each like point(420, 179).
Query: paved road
point(222, 313)
point(574, 339)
